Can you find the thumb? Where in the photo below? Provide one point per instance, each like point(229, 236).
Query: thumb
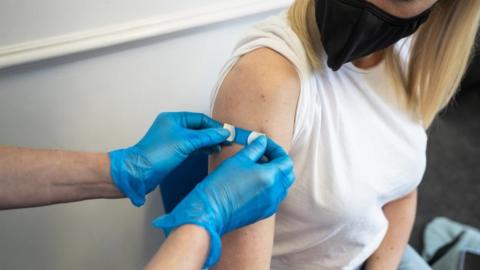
point(285, 166)
point(207, 137)
point(255, 150)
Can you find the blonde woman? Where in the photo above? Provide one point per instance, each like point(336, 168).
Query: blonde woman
point(349, 88)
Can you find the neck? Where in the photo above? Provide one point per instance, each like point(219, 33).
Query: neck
point(369, 61)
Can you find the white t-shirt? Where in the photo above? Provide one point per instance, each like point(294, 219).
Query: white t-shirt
point(354, 150)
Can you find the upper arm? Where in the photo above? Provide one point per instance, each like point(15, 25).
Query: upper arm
point(260, 93)
point(401, 216)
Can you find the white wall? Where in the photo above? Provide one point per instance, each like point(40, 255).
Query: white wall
point(24, 20)
point(96, 101)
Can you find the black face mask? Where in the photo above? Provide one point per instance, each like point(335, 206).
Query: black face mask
point(351, 29)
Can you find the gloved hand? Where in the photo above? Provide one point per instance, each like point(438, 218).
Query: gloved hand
point(239, 192)
point(139, 169)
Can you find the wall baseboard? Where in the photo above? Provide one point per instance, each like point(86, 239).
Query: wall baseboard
point(32, 51)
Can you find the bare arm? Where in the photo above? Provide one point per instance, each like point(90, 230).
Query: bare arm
point(260, 93)
point(31, 177)
point(185, 248)
point(401, 216)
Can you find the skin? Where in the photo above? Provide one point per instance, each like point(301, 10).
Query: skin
point(263, 82)
point(186, 248)
point(401, 216)
point(42, 177)
point(260, 93)
point(403, 8)
point(33, 177)
point(400, 213)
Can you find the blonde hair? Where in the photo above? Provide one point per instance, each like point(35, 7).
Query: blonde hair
point(440, 53)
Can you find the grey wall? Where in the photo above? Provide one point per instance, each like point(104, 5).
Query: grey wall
point(97, 101)
point(26, 20)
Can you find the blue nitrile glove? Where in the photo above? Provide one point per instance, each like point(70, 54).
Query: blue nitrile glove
point(139, 169)
point(239, 192)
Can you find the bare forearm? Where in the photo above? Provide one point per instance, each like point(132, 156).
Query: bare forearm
point(186, 248)
point(31, 177)
point(401, 216)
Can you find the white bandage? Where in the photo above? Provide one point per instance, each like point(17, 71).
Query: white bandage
point(253, 136)
point(230, 128)
point(240, 135)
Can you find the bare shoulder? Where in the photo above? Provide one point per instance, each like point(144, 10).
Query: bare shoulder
point(260, 93)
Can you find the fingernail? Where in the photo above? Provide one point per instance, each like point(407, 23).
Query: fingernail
point(262, 139)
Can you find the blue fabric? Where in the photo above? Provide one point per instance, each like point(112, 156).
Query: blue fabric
point(183, 179)
point(442, 231)
point(411, 260)
point(438, 233)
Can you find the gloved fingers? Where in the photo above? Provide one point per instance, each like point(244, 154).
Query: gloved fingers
point(274, 150)
point(255, 150)
point(199, 139)
point(285, 166)
point(192, 120)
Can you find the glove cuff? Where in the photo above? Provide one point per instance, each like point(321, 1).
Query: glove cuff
point(127, 183)
point(169, 223)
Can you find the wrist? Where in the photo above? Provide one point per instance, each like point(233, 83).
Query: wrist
point(100, 167)
point(185, 248)
point(193, 211)
point(203, 234)
point(212, 214)
point(123, 176)
point(198, 235)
